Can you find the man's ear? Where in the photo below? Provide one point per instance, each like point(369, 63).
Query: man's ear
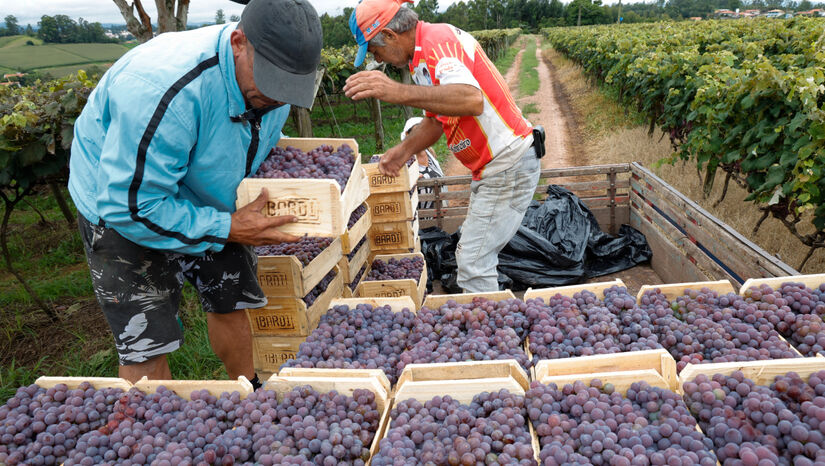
point(238, 41)
point(389, 36)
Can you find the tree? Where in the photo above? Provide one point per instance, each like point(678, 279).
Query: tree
point(171, 17)
point(805, 5)
point(47, 29)
point(220, 18)
point(29, 30)
point(12, 28)
point(234, 18)
point(427, 10)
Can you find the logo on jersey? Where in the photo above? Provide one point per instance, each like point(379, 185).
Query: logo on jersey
point(460, 145)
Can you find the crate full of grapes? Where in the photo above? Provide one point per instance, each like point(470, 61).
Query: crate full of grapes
point(294, 269)
point(394, 276)
point(293, 316)
point(394, 235)
point(359, 224)
point(393, 207)
point(380, 183)
point(320, 181)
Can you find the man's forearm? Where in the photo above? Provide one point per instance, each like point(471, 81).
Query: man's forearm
point(425, 135)
point(447, 99)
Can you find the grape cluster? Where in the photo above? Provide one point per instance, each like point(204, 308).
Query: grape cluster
point(305, 250)
point(357, 248)
point(359, 338)
point(396, 269)
point(356, 215)
point(702, 326)
point(583, 325)
point(323, 162)
point(582, 425)
point(319, 289)
point(477, 331)
point(491, 430)
point(357, 279)
point(752, 424)
point(86, 426)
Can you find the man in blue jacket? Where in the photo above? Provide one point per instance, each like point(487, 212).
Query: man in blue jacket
point(158, 153)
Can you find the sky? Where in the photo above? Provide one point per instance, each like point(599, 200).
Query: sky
point(105, 11)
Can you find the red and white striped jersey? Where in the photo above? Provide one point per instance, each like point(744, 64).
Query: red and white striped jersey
point(493, 141)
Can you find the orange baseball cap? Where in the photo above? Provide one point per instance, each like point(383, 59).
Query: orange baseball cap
point(368, 19)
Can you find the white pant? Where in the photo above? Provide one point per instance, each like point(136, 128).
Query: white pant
point(497, 206)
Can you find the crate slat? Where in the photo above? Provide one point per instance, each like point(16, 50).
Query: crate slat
point(438, 300)
point(340, 373)
point(658, 360)
point(349, 268)
point(184, 388)
point(352, 236)
point(811, 281)
point(761, 372)
point(379, 183)
point(395, 288)
point(461, 380)
point(674, 290)
point(396, 304)
point(322, 209)
point(74, 382)
point(569, 291)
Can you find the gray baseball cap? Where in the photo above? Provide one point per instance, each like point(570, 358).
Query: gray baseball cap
point(287, 38)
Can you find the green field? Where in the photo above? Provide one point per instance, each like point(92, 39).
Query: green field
point(39, 57)
point(17, 41)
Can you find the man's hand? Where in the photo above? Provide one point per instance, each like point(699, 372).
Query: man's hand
point(391, 162)
point(375, 84)
point(250, 226)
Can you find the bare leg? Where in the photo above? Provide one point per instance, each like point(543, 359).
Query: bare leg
point(231, 339)
point(155, 369)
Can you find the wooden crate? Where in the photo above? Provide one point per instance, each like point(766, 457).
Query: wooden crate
point(460, 380)
point(337, 373)
point(290, 316)
point(286, 276)
point(343, 385)
point(349, 268)
point(322, 209)
point(657, 365)
point(379, 183)
point(569, 291)
point(269, 353)
point(761, 372)
point(182, 388)
point(352, 236)
point(395, 288)
point(393, 207)
point(811, 281)
point(416, 248)
point(674, 290)
point(394, 235)
point(351, 289)
point(435, 301)
point(397, 304)
point(74, 382)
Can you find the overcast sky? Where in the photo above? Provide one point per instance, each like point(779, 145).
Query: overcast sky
point(105, 11)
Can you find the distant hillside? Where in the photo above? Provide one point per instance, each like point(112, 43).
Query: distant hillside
point(54, 59)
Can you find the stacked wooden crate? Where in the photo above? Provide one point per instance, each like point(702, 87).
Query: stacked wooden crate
point(393, 205)
point(322, 210)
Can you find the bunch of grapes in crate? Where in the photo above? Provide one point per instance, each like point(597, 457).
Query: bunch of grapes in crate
point(357, 248)
point(793, 310)
point(89, 426)
point(492, 429)
point(396, 269)
point(323, 162)
point(357, 279)
point(305, 250)
point(754, 424)
point(359, 338)
point(701, 327)
point(583, 325)
point(356, 215)
point(478, 331)
point(319, 289)
point(595, 424)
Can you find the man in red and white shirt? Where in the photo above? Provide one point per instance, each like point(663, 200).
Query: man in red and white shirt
point(464, 97)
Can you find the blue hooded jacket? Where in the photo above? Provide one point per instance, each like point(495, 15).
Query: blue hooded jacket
point(164, 141)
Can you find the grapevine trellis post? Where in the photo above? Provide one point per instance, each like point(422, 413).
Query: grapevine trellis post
point(375, 113)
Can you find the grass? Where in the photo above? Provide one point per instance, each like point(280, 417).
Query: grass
point(17, 41)
point(530, 108)
point(617, 134)
point(54, 55)
point(528, 80)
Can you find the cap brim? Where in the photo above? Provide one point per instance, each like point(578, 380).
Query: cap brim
point(362, 53)
point(283, 86)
